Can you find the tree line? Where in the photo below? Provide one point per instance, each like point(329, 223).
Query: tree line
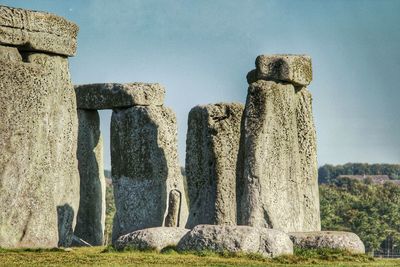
point(328, 173)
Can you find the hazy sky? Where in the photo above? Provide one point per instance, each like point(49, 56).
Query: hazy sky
point(201, 52)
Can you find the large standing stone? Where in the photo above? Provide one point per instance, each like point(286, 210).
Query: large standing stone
point(272, 194)
point(238, 239)
point(280, 162)
point(212, 165)
point(92, 205)
point(39, 181)
point(295, 69)
point(37, 31)
point(117, 95)
point(308, 161)
point(328, 239)
point(145, 168)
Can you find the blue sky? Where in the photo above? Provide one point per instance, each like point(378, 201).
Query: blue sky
point(201, 52)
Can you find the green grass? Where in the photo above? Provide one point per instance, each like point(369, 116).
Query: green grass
point(106, 256)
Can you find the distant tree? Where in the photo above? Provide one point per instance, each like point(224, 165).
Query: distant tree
point(370, 210)
point(328, 173)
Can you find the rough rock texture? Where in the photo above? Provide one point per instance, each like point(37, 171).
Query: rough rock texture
point(117, 95)
point(276, 193)
point(92, 205)
point(145, 168)
point(156, 238)
point(328, 239)
point(308, 161)
point(295, 69)
point(245, 239)
point(212, 165)
point(39, 181)
point(174, 204)
point(37, 31)
point(8, 53)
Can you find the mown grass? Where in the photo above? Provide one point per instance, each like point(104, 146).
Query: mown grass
point(107, 256)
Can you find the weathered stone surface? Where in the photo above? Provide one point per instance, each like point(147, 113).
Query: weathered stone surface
point(92, 205)
point(212, 165)
point(328, 239)
point(39, 181)
point(37, 31)
point(245, 239)
point(117, 95)
point(156, 238)
point(295, 69)
point(308, 181)
point(145, 168)
point(174, 204)
point(8, 53)
point(276, 193)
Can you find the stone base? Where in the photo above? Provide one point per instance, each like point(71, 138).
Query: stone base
point(156, 238)
point(237, 239)
point(328, 239)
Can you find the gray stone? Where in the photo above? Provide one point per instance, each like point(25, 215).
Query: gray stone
point(8, 53)
point(156, 238)
point(237, 239)
point(275, 182)
point(37, 31)
point(117, 95)
point(174, 204)
point(295, 69)
point(145, 168)
point(92, 205)
point(38, 139)
point(308, 182)
point(212, 163)
point(328, 239)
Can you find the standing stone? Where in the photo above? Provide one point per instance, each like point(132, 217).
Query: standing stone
point(280, 166)
point(92, 206)
point(271, 168)
point(145, 168)
point(212, 165)
point(308, 161)
point(39, 181)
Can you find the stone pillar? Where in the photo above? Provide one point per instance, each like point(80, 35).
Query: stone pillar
point(212, 163)
point(145, 168)
point(92, 205)
point(39, 179)
point(280, 170)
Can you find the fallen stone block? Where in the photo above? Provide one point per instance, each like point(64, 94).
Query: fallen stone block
point(117, 95)
point(145, 168)
point(37, 31)
point(92, 206)
point(237, 239)
point(156, 238)
point(213, 162)
point(328, 239)
point(295, 69)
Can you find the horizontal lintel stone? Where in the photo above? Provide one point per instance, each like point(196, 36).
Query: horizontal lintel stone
point(118, 95)
point(294, 69)
point(37, 31)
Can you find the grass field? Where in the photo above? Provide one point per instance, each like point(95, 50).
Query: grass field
point(101, 256)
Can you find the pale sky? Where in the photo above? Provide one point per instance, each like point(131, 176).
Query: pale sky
point(201, 52)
